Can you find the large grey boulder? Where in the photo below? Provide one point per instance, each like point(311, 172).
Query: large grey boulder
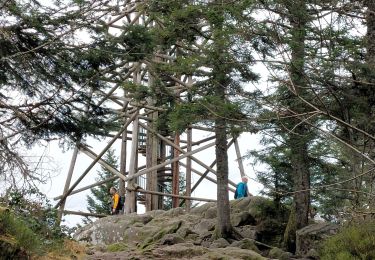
point(219, 243)
point(310, 237)
point(253, 217)
point(277, 253)
point(114, 229)
point(242, 218)
point(183, 250)
point(232, 253)
point(247, 231)
point(201, 210)
point(241, 205)
point(210, 212)
point(171, 239)
point(246, 244)
point(204, 225)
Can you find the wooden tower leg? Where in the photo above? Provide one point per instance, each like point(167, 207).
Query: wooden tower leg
point(67, 183)
point(161, 172)
point(188, 169)
point(130, 200)
point(124, 136)
point(152, 160)
point(239, 157)
point(176, 173)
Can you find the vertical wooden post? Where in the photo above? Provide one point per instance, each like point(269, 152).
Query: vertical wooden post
point(188, 159)
point(161, 171)
point(188, 169)
point(155, 145)
point(149, 180)
point(67, 183)
point(151, 160)
point(123, 154)
point(239, 157)
point(130, 201)
point(176, 173)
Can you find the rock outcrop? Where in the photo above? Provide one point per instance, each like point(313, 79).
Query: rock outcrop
point(175, 234)
point(309, 238)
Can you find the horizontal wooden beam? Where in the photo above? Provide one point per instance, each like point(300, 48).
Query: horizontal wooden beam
point(84, 214)
point(170, 195)
point(96, 184)
point(206, 177)
point(169, 162)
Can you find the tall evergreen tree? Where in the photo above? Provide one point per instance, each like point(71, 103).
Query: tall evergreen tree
point(220, 65)
point(320, 56)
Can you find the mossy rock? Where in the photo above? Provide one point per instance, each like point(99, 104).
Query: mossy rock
point(277, 253)
point(310, 237)
point(246, 244)
point(175, 212)
point(136, 235)
point(211, 213)
point(204, 225)
point(10, 250)
point(184, 231)
point(232, 253)
point(202, 209)
point(242, 219)
point(171, 239)
point(219, 243)
point(160, 234)
point(183, 250)
point(240, 205)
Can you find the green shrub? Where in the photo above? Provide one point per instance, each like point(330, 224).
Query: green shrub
point(25, 238)
point(355, 241)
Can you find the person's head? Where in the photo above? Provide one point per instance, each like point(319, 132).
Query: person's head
point(244, 179)
point(112, 190)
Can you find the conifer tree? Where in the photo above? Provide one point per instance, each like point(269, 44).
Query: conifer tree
point(219, 66)
point(317, 72)
point(100, 200)
point(47, 77)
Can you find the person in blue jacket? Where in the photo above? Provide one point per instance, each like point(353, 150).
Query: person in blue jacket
point(241, 189)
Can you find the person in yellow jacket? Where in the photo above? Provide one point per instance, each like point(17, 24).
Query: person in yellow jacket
point(116, 203)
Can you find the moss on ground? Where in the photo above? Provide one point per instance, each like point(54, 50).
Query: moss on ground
point(150, 241)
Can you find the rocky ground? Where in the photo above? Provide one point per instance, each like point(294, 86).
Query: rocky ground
point(175, 234)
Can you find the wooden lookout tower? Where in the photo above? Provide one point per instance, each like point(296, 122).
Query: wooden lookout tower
point(166, 154)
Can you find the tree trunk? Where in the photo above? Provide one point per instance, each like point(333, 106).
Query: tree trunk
point(370, 74)
point(370, 43)
point(224, 227)
point(298, 141)
point(301, 182)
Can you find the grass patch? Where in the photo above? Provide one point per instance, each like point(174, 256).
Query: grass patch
point(117, 247)
point(65, 248)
